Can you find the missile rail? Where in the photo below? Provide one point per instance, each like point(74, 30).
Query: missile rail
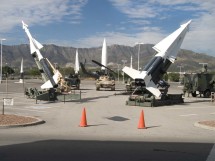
point(52, 95)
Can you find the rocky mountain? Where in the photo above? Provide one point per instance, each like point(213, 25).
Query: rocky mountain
point(65, 56)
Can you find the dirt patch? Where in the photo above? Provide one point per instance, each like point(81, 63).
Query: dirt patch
point(6, 120)
point(208, 123)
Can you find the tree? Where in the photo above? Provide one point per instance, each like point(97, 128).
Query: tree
point(174, 77)
point(6, 70)
point(66, 71)
point(34, 71)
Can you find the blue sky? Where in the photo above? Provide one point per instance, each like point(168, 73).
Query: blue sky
point(85, 23)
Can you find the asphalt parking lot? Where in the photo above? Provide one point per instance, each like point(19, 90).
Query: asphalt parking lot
point(170, 129)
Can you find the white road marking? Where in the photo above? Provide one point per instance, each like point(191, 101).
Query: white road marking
point(188, 115)
point(211, 156)
point(182, 108)
point(38, 107)
point(26, 109)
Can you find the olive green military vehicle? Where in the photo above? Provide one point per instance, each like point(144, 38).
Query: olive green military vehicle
point(199, 84)
point(73, 81)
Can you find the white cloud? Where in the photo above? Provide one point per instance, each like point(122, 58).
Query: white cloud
point(135, 9)
point(118, 38)
point(38, 12)
point(202, 35)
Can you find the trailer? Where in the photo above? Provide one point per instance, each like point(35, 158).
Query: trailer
point(144, 98)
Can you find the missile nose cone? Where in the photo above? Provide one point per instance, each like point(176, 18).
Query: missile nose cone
point(190, 21)
point(24, 25)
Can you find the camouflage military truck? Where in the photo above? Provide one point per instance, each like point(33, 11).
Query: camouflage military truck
point(105, 81)
point(199, 83)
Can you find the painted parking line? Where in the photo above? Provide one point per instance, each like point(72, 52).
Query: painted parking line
point(187, 115)
point(183, 108)
point(26, 109)
point(38, 107)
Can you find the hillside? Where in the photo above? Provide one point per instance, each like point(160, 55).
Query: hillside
point(64, 56)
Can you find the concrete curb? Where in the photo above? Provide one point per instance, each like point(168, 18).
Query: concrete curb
point(197, 124)
point(37, 122)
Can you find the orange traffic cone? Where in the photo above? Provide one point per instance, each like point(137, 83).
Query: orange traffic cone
point(83, 122)
point(141, 124)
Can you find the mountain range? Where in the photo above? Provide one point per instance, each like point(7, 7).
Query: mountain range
point(65, 57)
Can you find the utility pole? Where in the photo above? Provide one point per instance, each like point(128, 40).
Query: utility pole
point(138, 55)
point(1, 60)
point(55, 65)
point(203, 66)
point(118, 71)
point(180, 73)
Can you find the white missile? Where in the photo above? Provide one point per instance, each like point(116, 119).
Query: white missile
point(42, 63)
point(21, 72)
point(35, 46)
point(104, 55)
point(167, 50)
point(131, 66)
point(77, 67)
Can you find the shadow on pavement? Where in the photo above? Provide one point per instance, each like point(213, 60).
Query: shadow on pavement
point(69, 150)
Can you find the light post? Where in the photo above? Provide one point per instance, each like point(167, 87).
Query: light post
point(180, 73)
point(1, 61)
point(203, 66)
point(138, 55)
point(118, 71)
point(55, 65)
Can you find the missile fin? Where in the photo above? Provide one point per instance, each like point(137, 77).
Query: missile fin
point(37, 44)
point(48, 83)
point(150, 86)
point(131, 72)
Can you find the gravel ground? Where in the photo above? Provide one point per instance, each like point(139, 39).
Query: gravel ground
point(15, 120)
point(208, 123)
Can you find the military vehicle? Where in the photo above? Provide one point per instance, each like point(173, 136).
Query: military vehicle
point(199, 84)
point(130, 85)
point(104, 78)
point(105, 81)
point(73, 81)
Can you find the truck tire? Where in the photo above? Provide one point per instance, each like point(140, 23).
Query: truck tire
point(194, 94)
point(97, 88)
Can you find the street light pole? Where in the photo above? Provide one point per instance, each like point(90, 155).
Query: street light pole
point(203, 66)
point(180, 73)
point(55, 65)
point(118, 71)
point(1, 61)
point(138, 55)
